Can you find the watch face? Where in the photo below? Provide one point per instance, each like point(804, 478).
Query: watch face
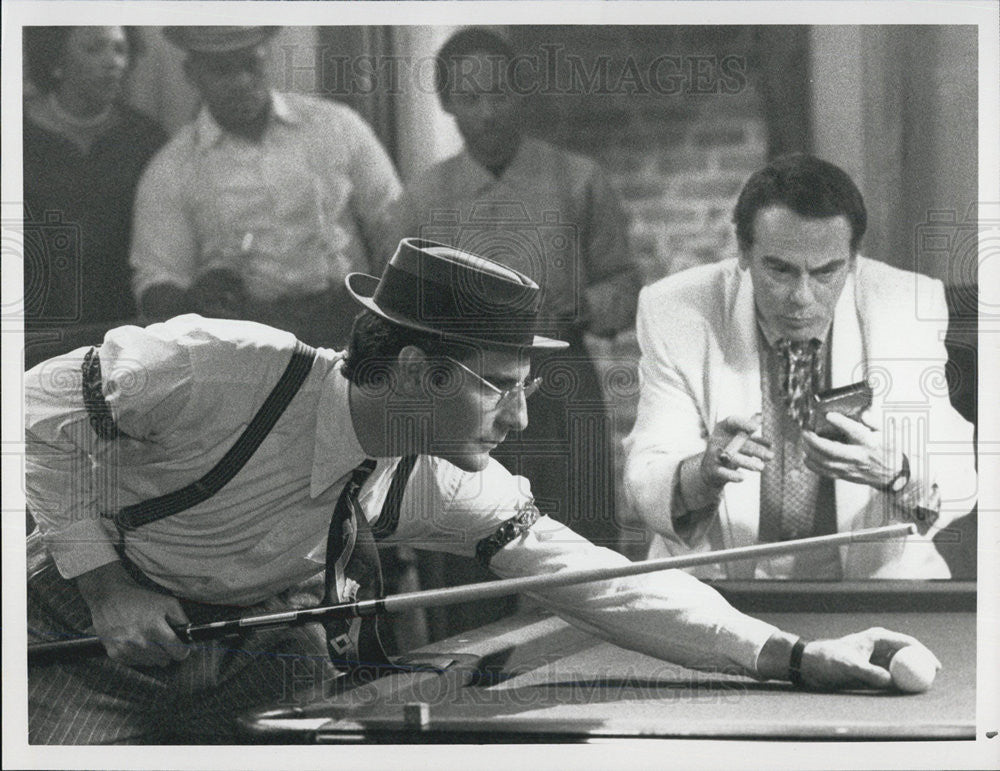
point(899, 482)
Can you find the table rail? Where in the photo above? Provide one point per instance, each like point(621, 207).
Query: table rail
point(904, 596)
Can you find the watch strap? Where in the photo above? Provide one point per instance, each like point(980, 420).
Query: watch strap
point(902, 477)
point(795, 663)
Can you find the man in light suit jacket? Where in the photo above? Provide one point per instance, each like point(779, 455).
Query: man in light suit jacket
point(742, 346)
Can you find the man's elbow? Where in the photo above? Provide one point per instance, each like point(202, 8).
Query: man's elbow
point(648, 491)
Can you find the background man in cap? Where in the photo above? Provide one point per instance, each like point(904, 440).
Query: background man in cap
point(260, 206)
point(434, 379)
point(798, 312)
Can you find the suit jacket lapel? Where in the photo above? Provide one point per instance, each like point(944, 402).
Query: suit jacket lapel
point(736, 391)
point(848, 365)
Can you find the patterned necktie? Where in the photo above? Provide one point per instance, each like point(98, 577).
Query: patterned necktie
point(790, 373)
point(802, 374)
point(352, 562)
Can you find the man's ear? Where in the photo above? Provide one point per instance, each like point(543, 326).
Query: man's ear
point(411, 364)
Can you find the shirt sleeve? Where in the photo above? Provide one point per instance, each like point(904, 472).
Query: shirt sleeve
point(375, 185)
point(70, 472)
point(668, 428)
point(613, 281)
point(397, 220)
point(670, 614)
point(450, 510)
point(164, 241)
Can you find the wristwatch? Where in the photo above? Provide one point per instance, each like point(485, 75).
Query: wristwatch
point(795, 663)
point(901, 480)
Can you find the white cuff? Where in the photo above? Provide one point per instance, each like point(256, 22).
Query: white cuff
point(80, 547)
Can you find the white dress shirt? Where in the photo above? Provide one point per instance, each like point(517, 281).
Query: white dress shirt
point(291, 214)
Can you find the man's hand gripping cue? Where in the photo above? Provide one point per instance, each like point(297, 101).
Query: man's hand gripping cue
point(134, 623)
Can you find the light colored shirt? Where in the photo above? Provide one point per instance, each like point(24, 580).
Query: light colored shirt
point(550, 214)
point(291, 214)
point(182, 392)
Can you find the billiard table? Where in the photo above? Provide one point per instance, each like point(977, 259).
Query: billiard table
point(534, 678)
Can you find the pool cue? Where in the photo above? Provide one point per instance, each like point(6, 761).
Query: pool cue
point(48, 652)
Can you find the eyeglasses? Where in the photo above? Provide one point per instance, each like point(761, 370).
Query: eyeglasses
point(504, 397)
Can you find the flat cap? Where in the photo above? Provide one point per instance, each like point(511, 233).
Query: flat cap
point(218, 40)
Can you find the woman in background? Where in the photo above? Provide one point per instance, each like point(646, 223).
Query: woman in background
point(84, 150)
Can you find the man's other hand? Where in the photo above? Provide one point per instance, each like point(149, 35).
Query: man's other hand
point(719, 468)
point(866, 457)
point(164, 301)
point(220, 293)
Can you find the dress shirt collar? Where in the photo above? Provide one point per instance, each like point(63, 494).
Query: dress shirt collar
point(770, 352)
point(208, 132)
point(338, 450)
point(521, 172)
point(771, 340)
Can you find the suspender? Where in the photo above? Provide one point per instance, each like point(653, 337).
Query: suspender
point(281, 395)
point(201, 490)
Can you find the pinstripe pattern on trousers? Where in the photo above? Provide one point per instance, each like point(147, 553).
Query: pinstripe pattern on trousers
point(191, 701)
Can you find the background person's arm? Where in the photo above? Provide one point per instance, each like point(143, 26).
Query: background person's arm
point(164, 249)
point(613, 277)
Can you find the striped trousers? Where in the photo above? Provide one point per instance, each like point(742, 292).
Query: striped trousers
point(195, 701)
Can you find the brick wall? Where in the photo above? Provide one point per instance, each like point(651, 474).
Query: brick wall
point(675, 117)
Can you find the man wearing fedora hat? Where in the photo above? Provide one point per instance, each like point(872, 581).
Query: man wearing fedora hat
point(389, 442)
point(259, 207)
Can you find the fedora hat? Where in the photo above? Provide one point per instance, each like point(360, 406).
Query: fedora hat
point(218, 40)
point(452, 293)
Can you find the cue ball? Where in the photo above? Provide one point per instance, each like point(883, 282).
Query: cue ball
point(913, 669)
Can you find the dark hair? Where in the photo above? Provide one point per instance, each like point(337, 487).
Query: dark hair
point(807, 185)
point(472, 40)
point(376, 343)
point(44, 48)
